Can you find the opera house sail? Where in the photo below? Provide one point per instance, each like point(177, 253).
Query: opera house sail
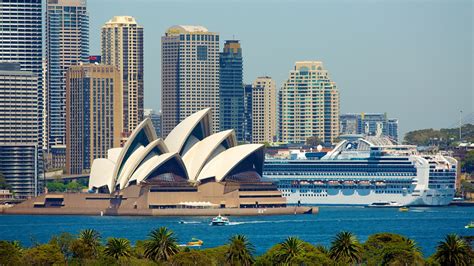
point(191, 172)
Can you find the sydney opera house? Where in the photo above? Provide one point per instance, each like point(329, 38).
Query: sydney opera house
point(190, 172)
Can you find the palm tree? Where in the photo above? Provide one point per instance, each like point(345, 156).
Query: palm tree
point(239, 251)
point(91, 239)
point(345, 248)
point(161, 245)
point(453, 251)
point(290, 248)
point(118, 247)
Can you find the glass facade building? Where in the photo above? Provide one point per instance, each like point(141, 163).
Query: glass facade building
point(231, 90)
point(20, 131)
point(369, 124)
point(67, 44)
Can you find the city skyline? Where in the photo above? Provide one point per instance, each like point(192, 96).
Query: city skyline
point(415, 44)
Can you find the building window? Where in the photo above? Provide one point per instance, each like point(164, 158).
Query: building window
point(201, 52)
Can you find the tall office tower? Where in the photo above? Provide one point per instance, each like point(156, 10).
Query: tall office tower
point(264, 111)
point(93, 114)
point(231, 89)
point(190, 74)
point(20, 160)
point(122, 46)
point(370, 124)
point(21, 42)
point(155, 118)
point(248, 113)
point(392, 129)
point(309, 105)
point(67, 44)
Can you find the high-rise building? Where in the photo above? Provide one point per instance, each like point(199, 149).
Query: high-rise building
point(21, 42)
point(20, 130)
point(122, 46)
point(309, 105)
point(248, 113)
point(190, 74)
point(264, 111)
point(369, 124)
point(155, 118)
point(231, 91)
point(93, 114)
point(67, 44)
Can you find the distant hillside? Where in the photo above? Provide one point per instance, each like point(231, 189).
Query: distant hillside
point(442, 137)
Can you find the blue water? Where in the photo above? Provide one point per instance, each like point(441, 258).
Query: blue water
point(426, 226)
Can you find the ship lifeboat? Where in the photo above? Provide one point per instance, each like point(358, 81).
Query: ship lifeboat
point(304, 183)
point(334, 183)
point(364, 183)
point(380, 184)
point(318, 183)
point(349, 183)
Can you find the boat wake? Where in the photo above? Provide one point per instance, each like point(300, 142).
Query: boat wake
point(189, 222)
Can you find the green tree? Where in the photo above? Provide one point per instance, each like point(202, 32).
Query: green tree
point(314, 141)
point(391, 249)
point(118, 248)
point(42, 255)
point(240, 251)
point(55, 186)
point(453, 251)
point(468, 163)
point(64, 242)
point(345, 248)
point(87, 245)
point(11, 253)
point(161, 245)
point(291, 248)
point(191, 257)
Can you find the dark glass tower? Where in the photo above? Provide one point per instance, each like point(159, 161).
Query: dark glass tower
point(231, 90)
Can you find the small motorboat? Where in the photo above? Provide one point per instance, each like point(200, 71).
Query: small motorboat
point(220, 220)
point(404, 209)
point(195, 242)
point(469, 225)
point(384, 204)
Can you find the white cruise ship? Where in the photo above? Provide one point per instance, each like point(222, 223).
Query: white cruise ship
point(366, 172)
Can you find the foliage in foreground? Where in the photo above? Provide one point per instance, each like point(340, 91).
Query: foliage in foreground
point(161, 248)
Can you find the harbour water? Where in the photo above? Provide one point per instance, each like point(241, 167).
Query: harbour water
point(426, 226)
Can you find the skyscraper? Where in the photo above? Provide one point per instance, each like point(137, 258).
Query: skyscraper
point(122, 46)
point(20, 160)
point(93, 114)
point(231, 91)
point(309, 105)
point(21, 42)
point(67, 44)
point(370, 124)
point(190, 74)
point(264, 111)
point(248, 113)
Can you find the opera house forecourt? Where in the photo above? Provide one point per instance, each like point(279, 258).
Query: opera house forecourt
point(191, 172)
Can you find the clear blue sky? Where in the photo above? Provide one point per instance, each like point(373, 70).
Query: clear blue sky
point(411, 59)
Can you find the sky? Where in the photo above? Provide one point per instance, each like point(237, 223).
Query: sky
point(410, 59)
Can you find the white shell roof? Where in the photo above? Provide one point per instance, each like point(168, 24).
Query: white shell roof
point(147, 127)
point(223, 163)
point(200, 153)
point(101, 174)
point(137, 158)
point(152, 164)
point(180, 134)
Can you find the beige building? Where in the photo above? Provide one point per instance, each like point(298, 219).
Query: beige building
point(309, 104)
point(264, 112)
point(190, 74)
point(93, 114)
point(122, 46)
